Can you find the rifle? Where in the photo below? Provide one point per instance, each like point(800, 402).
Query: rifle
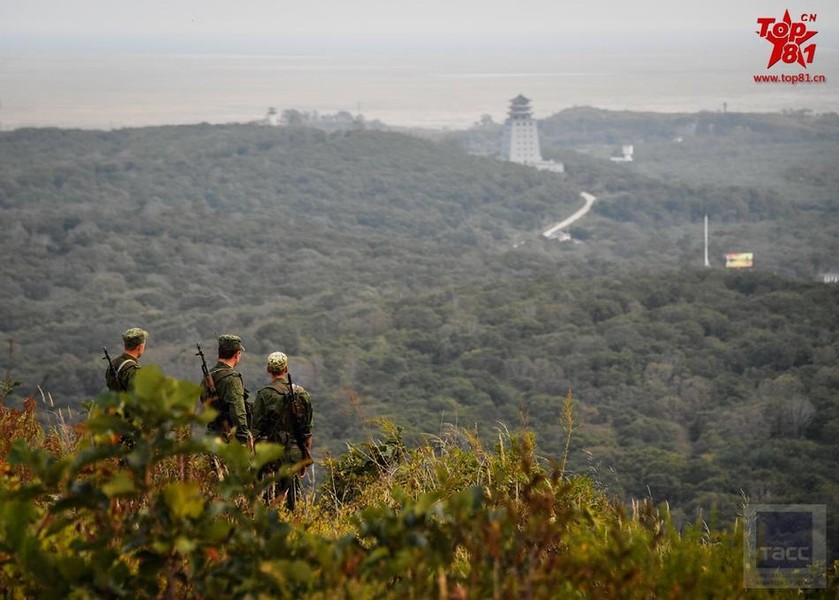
point(209, 383)
point(295, 423)
point(112, 370)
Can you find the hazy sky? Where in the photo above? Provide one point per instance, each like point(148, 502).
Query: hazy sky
point(668, 55)
point(349, 17)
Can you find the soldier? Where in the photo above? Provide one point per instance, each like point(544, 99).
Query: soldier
point(232, 395)
point(282, 414)
point(119, 377)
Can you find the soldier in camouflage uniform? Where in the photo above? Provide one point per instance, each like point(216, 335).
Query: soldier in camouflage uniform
point(232, 396)
point(284, 416)
point(119, 376)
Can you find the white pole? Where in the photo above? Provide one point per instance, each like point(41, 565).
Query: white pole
point(707, 262)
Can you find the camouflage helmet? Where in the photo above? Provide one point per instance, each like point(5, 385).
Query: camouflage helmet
point(229, 345)
point(134, 337)
point(277, 362)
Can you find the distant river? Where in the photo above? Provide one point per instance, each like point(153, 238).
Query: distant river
point(444, 90)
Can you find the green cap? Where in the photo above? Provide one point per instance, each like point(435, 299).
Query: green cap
point(277, 362)
point(228, 344)
point(134, 337)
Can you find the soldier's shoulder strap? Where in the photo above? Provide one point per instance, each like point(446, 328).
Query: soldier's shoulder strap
point(128, 362)
point(282, 388)
point(223, 373)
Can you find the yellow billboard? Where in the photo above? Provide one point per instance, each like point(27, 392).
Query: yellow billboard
point(739, 260)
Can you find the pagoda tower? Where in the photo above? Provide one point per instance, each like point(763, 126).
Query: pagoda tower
point(520, 143)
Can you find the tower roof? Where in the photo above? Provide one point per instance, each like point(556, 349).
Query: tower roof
point(520, 107)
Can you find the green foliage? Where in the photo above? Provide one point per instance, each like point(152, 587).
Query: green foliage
point(353, 472)
point(110, 521)
point(8, 384)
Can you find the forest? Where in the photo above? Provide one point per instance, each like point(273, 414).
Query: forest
point(408, 280)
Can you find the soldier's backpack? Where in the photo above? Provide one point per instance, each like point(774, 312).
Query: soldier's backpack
point(113, 376)
point(293, 414)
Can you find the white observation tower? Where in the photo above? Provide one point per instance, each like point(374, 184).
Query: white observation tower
point(520, 143)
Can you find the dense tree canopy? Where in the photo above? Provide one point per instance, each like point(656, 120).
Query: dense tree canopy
point(409, 280)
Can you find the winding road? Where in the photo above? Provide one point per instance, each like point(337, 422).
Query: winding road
point(554, 229)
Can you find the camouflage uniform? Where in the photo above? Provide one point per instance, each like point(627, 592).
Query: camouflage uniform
point(273, 422)
point(119, 376)
point(125, 365)
point(232, 405)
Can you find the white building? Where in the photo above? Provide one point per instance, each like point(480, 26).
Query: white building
point(520, 143)
point(626, 154)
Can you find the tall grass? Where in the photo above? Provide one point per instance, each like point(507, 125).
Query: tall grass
point(82, 515)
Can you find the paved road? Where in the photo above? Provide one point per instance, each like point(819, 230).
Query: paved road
point(554, 229)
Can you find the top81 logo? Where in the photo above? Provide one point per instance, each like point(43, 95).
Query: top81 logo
point(788, 38)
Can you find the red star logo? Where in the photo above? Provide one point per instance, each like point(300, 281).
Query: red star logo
point(787, 44)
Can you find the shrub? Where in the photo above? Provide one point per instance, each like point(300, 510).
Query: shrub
point(448, 519)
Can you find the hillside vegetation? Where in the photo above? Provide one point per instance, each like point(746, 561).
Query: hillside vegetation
point(409, 280)
point(83, 516)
